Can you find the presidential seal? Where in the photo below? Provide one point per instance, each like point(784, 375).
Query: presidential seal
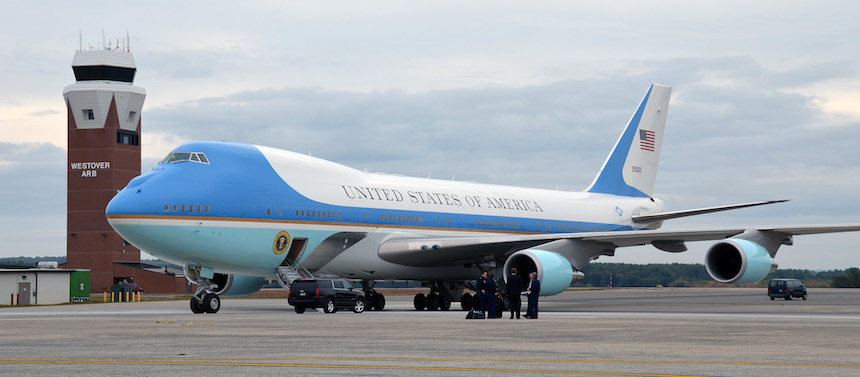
point(282, 240)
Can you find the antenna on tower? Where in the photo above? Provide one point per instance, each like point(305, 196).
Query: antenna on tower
point(80, 40)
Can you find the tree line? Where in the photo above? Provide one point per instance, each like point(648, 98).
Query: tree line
point(620, 274)
point(695, 275)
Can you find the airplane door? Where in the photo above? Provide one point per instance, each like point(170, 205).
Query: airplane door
point(297, 248)
point(24, 293)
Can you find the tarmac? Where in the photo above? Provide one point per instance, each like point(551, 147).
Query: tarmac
point(609, 332)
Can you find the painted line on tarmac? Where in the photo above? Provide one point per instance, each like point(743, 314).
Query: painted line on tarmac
point(260, 362)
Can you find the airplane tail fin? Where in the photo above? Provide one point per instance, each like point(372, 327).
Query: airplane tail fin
point(631, 168)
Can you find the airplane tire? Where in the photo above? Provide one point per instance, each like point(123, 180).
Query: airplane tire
point(196, 306)
point(433, 302)
point(420, 302)
point(466, 301)
point(211, 303)
point(444, 303)
point(378, 302)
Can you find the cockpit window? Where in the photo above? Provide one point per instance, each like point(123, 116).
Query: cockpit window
point(185, 156)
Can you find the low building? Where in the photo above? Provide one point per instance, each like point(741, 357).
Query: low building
point(43, 286)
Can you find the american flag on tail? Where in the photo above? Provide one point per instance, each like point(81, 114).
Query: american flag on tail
point(646, 140)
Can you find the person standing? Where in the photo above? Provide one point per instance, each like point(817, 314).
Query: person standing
point(481, 287)
point(492, 288)
point(514, 289)
point(534, 293)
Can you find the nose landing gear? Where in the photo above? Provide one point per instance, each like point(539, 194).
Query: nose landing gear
point(203, 300)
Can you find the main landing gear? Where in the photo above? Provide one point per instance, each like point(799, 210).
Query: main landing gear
point(373, 299)
point(439, 298)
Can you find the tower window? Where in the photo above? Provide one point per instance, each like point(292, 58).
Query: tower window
point(88, 114)
point(132, 115)
point(127, 137)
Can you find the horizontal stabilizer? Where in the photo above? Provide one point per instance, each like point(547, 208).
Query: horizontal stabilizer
point(692, 212)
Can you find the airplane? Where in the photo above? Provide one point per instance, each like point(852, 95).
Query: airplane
point(235, 214)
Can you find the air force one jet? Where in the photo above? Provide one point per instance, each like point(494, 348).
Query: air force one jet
point(235, 214)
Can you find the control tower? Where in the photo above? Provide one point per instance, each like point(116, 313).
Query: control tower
point(104, 109)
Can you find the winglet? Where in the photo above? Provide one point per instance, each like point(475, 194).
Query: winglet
point(631, 168)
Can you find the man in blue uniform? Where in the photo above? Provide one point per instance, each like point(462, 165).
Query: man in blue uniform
point(492, 288)
point(534, 293)
point(481, 287)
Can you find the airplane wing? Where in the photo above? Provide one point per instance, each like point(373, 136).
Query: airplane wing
point(436, 251)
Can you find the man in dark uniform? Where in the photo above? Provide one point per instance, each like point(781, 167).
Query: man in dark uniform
point(534, 292)
point(514, 289)
point(481, 286)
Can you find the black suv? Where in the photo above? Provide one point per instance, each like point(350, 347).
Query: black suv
point(328, 294)
point(786, 288)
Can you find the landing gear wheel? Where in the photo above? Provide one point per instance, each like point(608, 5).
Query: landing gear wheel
point(379, 302)
point(211, 303)
point(359, 306)
point(329, 306)
point(444, 303)
point(466, 301)
point(433, 301)
point(419, 301)
point(300, 309)
point(771, 298)
point(804, 297)
point(476, 302)
point(196, 306)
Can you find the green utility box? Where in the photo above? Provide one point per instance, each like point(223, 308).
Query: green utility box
point(79, 286)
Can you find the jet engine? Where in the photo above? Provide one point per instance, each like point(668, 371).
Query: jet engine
point(738, 261)
point(554, 270)
point(232, 285)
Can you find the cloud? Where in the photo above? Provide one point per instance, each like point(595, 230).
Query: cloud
point(33, 199)
point(44, 113)
point(737, 131)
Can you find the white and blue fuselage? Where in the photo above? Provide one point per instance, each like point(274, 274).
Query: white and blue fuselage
point(223, 206)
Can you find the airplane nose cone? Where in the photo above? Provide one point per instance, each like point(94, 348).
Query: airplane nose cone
point(123, 212)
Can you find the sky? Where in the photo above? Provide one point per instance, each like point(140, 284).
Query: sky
point(765, 101)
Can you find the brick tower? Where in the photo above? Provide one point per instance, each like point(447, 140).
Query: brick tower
point(104, 111)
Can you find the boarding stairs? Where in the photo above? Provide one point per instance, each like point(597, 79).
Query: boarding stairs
point(286, 274)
